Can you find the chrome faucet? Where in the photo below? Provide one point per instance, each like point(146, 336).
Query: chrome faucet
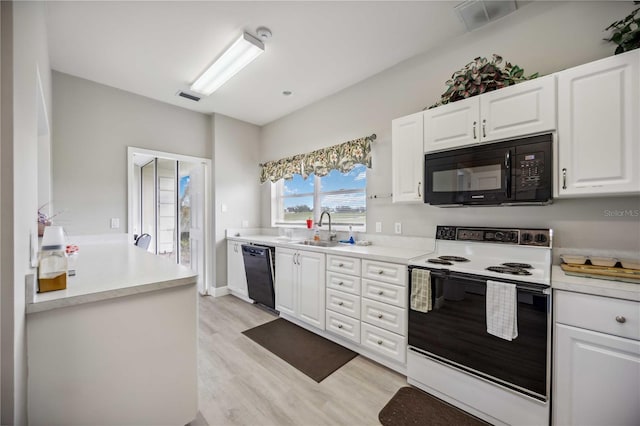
point(332, 236)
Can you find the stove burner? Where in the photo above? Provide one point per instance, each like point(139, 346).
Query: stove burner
point(439, 261)
point(508, 270)
point(454, 258)
point(517, 265)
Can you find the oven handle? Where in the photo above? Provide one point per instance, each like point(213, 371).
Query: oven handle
point(446, 274)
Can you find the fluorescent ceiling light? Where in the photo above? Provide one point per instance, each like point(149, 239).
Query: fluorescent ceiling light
point(239, 55)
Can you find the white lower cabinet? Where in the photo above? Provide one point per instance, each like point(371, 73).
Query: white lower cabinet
point(236, 277)
point(596, 369)
point(366, 304)
point(300, 285)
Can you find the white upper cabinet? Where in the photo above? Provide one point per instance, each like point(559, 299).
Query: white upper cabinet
point(452, 125)
point(519, 110)
point(599, 127)
point(407, 160)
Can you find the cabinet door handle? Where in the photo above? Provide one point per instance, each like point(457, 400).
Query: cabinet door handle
point(419, 194)
point(474, 129)
point(340, 265)
point(340, 303)
point(484, 128)
point(339, 325)
point(379, 342)
point(341, 282)
point(379, 315)
point(564, 178)
point(380, 272)
point(621, 319)
point(381, 292)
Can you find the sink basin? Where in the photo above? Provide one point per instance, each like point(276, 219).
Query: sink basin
point(318, 243)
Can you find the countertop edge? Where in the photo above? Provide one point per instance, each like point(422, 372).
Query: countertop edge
point(66, 302)
point(594, 286)
point(339, 250)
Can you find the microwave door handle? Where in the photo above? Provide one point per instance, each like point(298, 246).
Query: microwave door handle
point(507, 177)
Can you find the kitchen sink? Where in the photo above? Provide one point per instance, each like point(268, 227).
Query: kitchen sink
point(318, 243)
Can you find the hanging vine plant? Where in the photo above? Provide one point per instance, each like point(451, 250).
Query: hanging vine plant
point(481, 76)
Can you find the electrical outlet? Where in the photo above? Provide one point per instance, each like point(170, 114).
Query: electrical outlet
point(378, 226)
point(115, 223)
point(223, 208)
point(245, 223)
point(398, 228)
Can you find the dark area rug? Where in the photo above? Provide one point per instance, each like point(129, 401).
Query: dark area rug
point(315, 356)
point(411, 406)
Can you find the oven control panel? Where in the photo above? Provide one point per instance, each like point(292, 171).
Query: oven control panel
point(525, 237)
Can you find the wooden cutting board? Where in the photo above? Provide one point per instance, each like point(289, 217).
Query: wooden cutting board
point(602, 272)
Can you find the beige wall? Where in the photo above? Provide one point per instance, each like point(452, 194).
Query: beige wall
point(25, 68)
point(93, 126)
point(236, 183)
point(541, 37)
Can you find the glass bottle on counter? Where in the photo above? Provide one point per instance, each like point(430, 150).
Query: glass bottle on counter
point(52, 263)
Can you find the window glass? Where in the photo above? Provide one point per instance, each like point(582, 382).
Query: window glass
point(343, 195)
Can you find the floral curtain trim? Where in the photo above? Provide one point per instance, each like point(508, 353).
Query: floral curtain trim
point(342, 157)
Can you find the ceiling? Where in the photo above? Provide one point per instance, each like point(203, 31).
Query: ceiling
point(155, 49)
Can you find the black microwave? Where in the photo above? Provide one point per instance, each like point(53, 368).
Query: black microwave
point(517, 171)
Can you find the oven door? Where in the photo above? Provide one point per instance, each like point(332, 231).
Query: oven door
point(455, 332)
point(469, 176)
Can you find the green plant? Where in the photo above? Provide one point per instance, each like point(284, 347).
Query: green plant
point(481, 76)
point(626, 32)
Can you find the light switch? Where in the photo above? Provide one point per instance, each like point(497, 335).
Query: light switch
point(223, 208)
point(378, 226)
point(245, 223)
point(398, 228)
point(115, 223)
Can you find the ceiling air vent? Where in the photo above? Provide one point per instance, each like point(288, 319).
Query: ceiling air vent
point(188, 95)
point(476, 13)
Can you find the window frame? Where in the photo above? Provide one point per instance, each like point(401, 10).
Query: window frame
point(277, 206)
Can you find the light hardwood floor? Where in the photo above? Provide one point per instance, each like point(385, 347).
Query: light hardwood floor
point(241, 383)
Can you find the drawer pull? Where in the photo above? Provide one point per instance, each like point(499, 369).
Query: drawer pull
point(340, 282)
point(340, 303)
point(341, 264)
point(621, 319)
point(379, 342)
point(380, 272)
point(339, 325)
point(380, 293)
point(379, 315)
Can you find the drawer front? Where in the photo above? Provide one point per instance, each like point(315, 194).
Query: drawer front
point(384, 292)
point(343, 282)
point(383, 271)
point(343, 326)
point(346, 265)
point(597, 313)
point(385, 316)
point(384, 343)
point(345, 303)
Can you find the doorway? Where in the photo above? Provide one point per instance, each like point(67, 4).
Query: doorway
point(168, 200)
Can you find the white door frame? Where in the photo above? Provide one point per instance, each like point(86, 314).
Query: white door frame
point(209, 266)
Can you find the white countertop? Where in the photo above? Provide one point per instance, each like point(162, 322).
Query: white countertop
point(106, 270)
point(381, 253)
point(608, 288)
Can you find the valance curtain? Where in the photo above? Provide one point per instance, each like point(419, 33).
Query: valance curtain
point(341, 157)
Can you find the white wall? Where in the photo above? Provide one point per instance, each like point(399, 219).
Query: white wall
point(93, 125)
point(541, 37)
point(236, 182)
point(20, 188)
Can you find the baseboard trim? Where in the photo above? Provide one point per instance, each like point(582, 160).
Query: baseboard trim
point(219, 291)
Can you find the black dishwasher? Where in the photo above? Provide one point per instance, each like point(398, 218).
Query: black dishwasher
point(259, 266)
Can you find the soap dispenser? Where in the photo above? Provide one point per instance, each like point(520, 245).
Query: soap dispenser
point(52, 263)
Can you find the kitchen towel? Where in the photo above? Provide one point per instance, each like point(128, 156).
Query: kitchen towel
point(502, 310)
point(420, 290)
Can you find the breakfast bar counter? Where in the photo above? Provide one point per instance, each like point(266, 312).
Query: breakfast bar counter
point(119, 345)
